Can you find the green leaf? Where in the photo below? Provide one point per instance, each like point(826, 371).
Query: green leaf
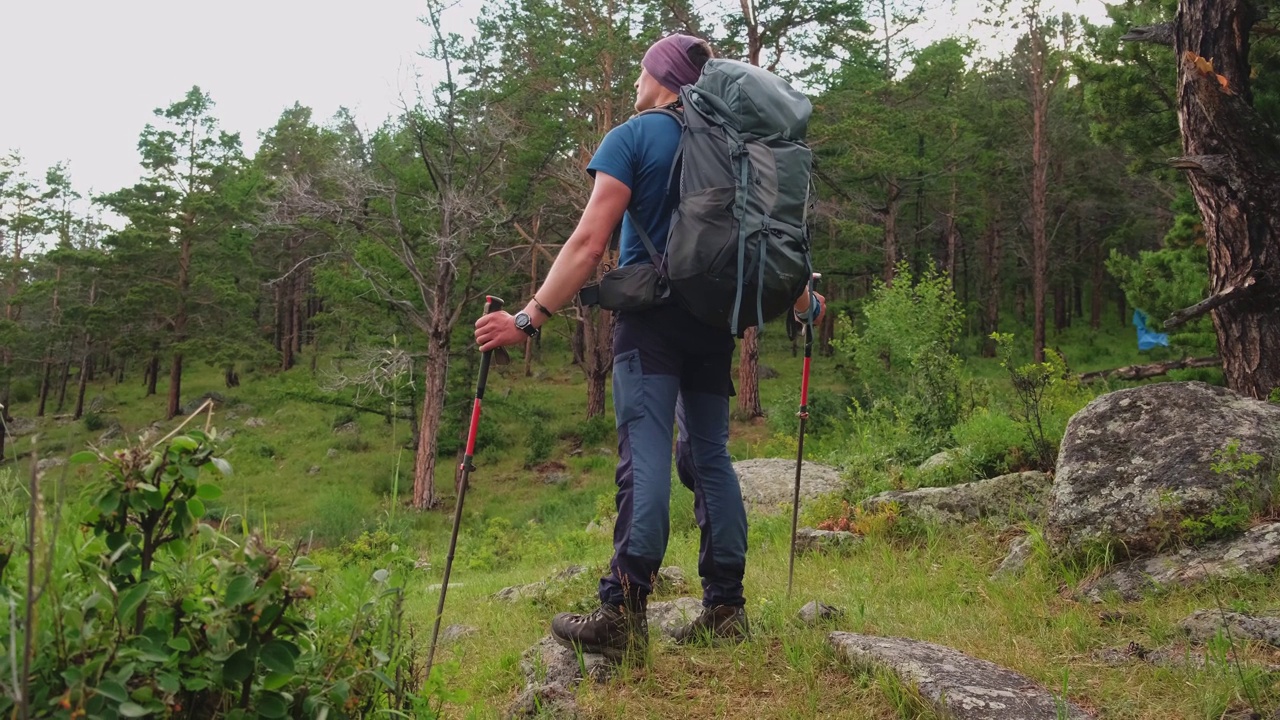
point(223, 466)
point(209, 491)
point(179, 643)
point(239, 666)
point(239, 590)
point(278, 656)
point(109, 501)
point(383, 677)
point(112, 690)
point(168, 682)
point(304, 564)
point(132, 709)
point(182, 442)
point(189, 472)
point(83, 456)
point(275, 681)
point(130, 600)
point(195, 507)
point(271, 705)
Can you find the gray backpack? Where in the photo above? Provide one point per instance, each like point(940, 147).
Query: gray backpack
point(738, 250)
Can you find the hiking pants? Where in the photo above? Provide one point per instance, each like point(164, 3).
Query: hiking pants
point(670, 369)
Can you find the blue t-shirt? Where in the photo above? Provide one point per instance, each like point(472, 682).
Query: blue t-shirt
point(639, 153)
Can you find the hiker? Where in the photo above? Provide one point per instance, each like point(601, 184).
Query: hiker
point(669, 369)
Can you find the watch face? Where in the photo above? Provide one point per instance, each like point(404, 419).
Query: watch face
point(522, 320)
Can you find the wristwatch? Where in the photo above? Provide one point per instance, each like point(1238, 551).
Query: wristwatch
point(524, 324)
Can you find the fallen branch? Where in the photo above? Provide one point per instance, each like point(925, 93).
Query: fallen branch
point(1231, 294)
point(1150, 370)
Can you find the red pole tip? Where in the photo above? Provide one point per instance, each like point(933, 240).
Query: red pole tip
point(488, 298)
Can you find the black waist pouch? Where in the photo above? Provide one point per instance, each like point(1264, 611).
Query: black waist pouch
point(629, 288)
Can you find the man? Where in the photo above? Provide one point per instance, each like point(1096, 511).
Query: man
point(669, 370)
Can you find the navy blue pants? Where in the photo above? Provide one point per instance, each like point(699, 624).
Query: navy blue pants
point(670, 370)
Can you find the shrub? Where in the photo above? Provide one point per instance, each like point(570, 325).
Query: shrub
point(93, 422)
point(990, 443)
point(541, 443)
point(160, 613)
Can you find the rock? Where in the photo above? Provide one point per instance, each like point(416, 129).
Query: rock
point(568, 573)
point(350, 428)
point(456, 632)
point(768, 484)
point(937, 461)
point(1008, 498)
point(955, 685)
point(670, 580)
point(764, 372)
point(1203, 625)
point(98, 404)
point(1171, 657)
point(331, 453)
point(1016, 561)
point(815, 612)
point(46, 464)
point(810, 540)
point(313, 470)
point(596, 528)
point(194, 405)
point(516, 593)
point(1134, 458)
point(24, 426)
point(1257, 551)
point(255, 422)
point(671, 615)
point(551, 672)
point(114, 430)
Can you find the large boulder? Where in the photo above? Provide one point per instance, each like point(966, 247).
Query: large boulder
point(1133, 459)
point(956, 685)
point(1008, 498)
point(1255, 552)
point(769, 484)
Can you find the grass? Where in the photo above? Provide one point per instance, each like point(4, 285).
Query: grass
point(929, 584)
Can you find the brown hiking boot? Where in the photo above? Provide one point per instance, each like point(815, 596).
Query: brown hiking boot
point(612, 630)
point(720, 624)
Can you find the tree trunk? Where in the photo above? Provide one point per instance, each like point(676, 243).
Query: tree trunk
point(749, 375)
point(578, 343)
point(598, 361)
point(1061, 312)
point(1097, 295)
point(45, 376)
point(86, 368)
point(890, 217)
point(424, 466)
point(991, 319)
point(1234, 163)
point(62, 385)
point(952, 232)
point(175, 387)
point(153, 374)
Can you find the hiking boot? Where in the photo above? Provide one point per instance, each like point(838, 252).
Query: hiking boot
point(612, 630)
point(716, 625)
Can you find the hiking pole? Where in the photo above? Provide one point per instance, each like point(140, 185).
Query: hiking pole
point(491, 304)
point(804, 416)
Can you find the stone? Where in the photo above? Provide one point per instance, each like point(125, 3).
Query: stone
point(456, 632)
point(516, 593)
point(255, 422)
point(1257, 551)
point(194, 404)
point(1169, 657)
point(764, 372)
point(551, 672)
point(114, 431)
point(937, 462)
point(1016, 561)
point(98, 404)
point(815, 612)
point(24, 426)
point(44, 465)
point(1132, 459)
point(1203, 625)
point(1008, 499)
point(597, 528)
point(821, 541)
point(956, 685)
point(313, 470)
point(768, 484)
point(350, 428)
point(668, 616)
point(671, 579)
point(568, 573)
point(331, 453)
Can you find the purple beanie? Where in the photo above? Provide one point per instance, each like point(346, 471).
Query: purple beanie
point(668, 62)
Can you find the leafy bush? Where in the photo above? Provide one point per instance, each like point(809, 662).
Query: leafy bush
point(160, 613)
point(93, 422)
point(1247, 496)
point(22, 391)
point(1047, 395)
point(904, 353)
point(541, 443)
point(990, 444)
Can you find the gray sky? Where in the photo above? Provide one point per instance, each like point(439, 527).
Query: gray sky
point(81, 78)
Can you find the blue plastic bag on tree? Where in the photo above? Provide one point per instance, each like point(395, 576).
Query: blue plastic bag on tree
point(1147, 338)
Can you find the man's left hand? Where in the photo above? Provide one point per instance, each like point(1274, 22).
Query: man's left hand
point(497, 330)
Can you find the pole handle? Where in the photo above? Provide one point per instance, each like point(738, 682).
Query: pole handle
point(492, 304)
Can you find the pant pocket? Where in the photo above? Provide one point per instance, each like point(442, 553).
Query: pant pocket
point(628, 387)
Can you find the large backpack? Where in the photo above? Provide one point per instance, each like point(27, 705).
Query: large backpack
point(737, 254)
